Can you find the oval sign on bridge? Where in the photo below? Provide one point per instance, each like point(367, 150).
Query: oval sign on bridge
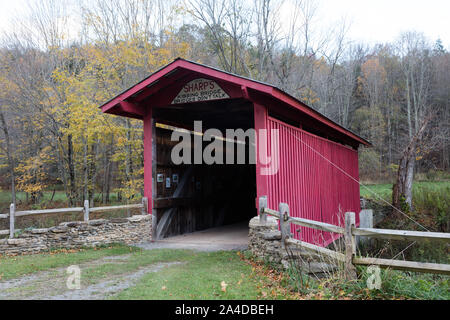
point(200, 90)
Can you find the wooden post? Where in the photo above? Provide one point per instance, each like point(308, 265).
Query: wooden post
point(262, 206)
point(285, 225)
point(12, 212)
point(365, 221)
point(86, 210)
point(260, 114)
point(128, 209)
point(350, 246)
point(154, 173)
point(144, 206)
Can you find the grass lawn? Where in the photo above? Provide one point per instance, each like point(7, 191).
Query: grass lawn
point(16, 266)
point(184, 274)
point(385, 190)
point(193, 275)
point(200, 277)
point(59, 198)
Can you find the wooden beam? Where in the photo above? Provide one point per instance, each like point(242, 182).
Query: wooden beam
point(272, 213)
point(76, 209)
point(47, 211)
point(127, 206)
point(260, 123)
point(149, 135)
point(131, 108)
point(405, 265)
point(171, 202)
point(401, 234)
point(313, 248)
point(317, 225)
point(161, 84)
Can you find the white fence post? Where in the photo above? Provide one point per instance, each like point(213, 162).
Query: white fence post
point(86, 210)
point(285, 224)
point(144, 206)
point(262, 206)
point(12, 212)
point(350, 246)
point(365, 221)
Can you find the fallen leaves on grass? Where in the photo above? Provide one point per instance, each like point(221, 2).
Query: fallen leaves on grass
point(269, 281)
point(65, 251)
point(223, 286)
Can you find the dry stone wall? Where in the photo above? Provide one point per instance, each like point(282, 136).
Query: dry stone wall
point(71, 235)
point(265, 243)
point(265, 240)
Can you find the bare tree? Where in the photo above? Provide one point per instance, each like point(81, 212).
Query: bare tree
point(268, 33)
point(9, 154)
point(402, 189)
point(414, 52)
point(228, 28)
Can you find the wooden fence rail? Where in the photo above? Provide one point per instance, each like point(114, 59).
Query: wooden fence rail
point(401, 234)
point(350, 231)
point(85, 209)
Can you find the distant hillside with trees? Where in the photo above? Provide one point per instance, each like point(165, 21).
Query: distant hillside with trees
point(397, 95)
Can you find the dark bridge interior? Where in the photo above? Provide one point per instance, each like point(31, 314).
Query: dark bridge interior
point(190, 197)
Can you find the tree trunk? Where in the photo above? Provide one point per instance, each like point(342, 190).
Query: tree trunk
point(402, 189)
point(11, 162)
point(85, 170)
point(70, 164)
point(93, 171)
point(408, 107)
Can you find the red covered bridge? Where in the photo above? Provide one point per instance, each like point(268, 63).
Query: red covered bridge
point(316, 172)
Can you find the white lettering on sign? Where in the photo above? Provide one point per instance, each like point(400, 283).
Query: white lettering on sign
point(200, 90)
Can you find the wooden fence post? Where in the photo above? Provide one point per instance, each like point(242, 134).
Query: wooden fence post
point(350, 246)
point(365, 221)
point(262, 206)
point(12, 212)
point(86, 210)
point(285, 224)
point(144, 206)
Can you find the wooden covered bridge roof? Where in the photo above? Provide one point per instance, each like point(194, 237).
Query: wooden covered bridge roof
point(160, 88)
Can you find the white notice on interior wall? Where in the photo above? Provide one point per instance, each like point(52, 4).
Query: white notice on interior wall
point(200, 90)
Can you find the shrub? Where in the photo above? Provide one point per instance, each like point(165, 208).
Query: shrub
point(433, 203)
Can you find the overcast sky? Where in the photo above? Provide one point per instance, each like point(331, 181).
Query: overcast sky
point(383, 20)
point(372, 21)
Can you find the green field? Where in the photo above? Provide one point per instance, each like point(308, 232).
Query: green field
point(122, 272)
point(58, 198)
point(373, 191)
point(384, 191)
point(429, 198)
point(59, 201)
point(172, 274)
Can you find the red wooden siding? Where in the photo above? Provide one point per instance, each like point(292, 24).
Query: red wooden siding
point(311, 185)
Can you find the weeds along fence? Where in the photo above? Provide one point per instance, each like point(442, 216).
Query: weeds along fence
point(349, 232)
point(86, 210)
